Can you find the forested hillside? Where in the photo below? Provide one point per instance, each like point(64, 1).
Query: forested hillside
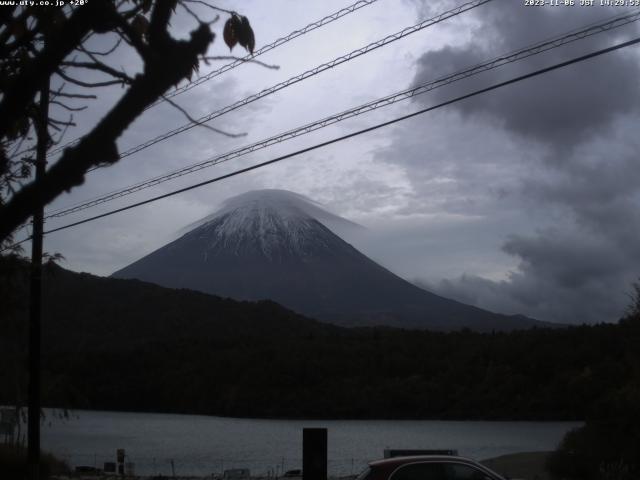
point(127, 345)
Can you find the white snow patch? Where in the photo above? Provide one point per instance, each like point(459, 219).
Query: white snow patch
point(275, 220)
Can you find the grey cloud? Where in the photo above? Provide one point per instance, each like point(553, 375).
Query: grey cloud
point(459, 166)
point(560, 160)
point(429, 8)
point(561, 108)
point(580, 269)
point(600, 186)
point(559, 151)
point(562, 277)
point(568, 261)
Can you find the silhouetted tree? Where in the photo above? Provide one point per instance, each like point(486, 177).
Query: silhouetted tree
point(607, 447)
point(633, 310)
point(39, 43)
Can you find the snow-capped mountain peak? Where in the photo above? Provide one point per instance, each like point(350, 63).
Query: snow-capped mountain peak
point(271, 221)
point(272, 244)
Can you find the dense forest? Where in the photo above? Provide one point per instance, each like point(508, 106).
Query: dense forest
point(127, 345)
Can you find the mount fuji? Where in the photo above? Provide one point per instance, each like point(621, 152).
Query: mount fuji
point(278, 245)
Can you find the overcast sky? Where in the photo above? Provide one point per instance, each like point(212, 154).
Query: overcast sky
point(524, 200)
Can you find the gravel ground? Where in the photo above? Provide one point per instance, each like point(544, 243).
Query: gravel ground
point(526, 465)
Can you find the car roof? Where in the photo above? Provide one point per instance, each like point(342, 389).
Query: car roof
point(397, 461)
point(389, 465)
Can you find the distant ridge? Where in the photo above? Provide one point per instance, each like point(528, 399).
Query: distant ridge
point(278, 245)
point(111, 344)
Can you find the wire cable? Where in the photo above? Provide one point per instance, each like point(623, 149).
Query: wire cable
point(295, 34)
point(535, 49)
point(231, 65)
point(354, 134)
point(306, 75)
point(310, 73)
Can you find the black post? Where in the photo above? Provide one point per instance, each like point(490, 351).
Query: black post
point(314, 454)
point(35, 295)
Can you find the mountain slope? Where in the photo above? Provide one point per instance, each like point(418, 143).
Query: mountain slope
point(273, 244)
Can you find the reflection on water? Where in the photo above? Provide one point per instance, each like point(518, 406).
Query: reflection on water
point(200, 445)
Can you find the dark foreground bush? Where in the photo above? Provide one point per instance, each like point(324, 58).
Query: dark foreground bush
point(603, 450)
point(13, 464)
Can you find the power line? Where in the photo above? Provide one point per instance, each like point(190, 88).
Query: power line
point(359, 132)
point(295, 34)
point(231, 65)
point(310, 73)
point(305, 75)
point(535, 49)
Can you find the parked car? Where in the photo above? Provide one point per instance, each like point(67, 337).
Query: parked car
point(428, 467)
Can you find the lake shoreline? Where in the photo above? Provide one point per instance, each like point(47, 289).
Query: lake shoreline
point(529, 465)
point(206, 445)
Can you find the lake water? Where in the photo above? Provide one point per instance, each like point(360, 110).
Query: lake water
point(201, 445)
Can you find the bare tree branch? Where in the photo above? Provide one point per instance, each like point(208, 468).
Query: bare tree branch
point(17, 152)
point(99, 146)
point(127, 14)
point(17, 146)
point(80, 83)
point(24, 86)
point(133, 38)
point(202, 124)
point(102, 54)
point(53, 121)
point(97, 65)
point(195, 15)
point(248, 60)
point(73, 95)
point(62, 134)
point(190, 12)
point(67, 107)
point(212, 7)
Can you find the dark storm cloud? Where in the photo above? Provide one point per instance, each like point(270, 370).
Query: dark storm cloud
point(579, 270)
point(563, 277)
point(456, 166)
point(568, 166)
point(572, 262)
point(560, 108)
point(599, 185)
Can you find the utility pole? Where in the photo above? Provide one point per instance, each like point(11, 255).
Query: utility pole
point(35, 294)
